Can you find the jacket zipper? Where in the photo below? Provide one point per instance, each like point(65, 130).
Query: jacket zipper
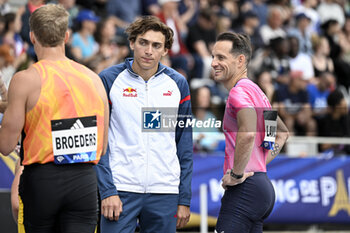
point(147, 143)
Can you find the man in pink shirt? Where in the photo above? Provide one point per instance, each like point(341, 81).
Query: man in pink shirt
point(254, 136)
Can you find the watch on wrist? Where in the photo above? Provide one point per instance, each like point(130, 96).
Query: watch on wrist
point(233, 175)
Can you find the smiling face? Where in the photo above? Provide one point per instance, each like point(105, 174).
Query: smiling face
point(225, 64)
point(148, 50)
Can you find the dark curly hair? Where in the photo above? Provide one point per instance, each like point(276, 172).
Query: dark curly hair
point(147, 23)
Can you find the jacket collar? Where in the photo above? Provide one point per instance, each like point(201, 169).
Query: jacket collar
point(128, 64)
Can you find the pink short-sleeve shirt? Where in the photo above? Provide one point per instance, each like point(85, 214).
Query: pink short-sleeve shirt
point(245, 94)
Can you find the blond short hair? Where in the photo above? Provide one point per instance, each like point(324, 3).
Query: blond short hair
point(49, 24)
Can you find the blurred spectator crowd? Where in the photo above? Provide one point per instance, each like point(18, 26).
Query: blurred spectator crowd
point(301, 53)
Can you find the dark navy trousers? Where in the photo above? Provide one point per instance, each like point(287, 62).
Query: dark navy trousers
point(155, 213)
point(245, 206)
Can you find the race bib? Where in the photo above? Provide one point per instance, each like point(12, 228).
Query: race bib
point(270, 119)
point(74, 140)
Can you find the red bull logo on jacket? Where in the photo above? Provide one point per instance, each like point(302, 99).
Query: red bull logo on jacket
point(129, 92)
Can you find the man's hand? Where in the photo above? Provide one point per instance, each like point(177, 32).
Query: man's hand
point(111, 207)
point(183, 215)
point(228, 180)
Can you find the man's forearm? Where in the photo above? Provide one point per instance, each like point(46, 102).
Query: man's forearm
point(105, 178)
point(281, 138)
point(276, 150)
point(244, 146)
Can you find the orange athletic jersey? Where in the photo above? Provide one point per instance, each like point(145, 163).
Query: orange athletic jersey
point(66, 92)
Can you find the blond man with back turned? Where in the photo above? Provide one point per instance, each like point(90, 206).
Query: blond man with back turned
point(61, 109)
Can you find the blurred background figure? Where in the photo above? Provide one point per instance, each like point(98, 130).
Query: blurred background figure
point(332, 31)
point(276, 60)
point(345, 40)
point(292, 102)
point(3, 98)
point(84, 46)
point(7, 64)
point(4, 7)
point(27, 10)
point(123, 12)
point(179, 56)
point(188, 10)
point(331, 10)
point(300, 61)
point(150, 7)
point(318, 94)
point(336, 123)
point(301, 32)
point(259, 7)
point(112, 49)
point(73, 10)
point(308, 8)
point(264, 81)
point(320, 59)
point(12, 37)
point(200, 40)
point(204, 139)
point(273, 28)
point(224, 21)
point(2, 27)
point(250, 26)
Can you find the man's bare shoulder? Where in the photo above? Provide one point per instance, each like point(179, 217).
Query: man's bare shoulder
point(92, 74)
point(94, 77)
point(96, 81)
point(27, 78)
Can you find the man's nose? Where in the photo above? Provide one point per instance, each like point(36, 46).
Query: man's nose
point(149, 49)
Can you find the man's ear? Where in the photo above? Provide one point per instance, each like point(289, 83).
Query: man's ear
point(165, 52)
point(32, 37)
point(66, 37)
point(241, 60)
point(132, 45)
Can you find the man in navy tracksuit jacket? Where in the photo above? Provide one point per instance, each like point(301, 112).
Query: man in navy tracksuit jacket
point(146, 175)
